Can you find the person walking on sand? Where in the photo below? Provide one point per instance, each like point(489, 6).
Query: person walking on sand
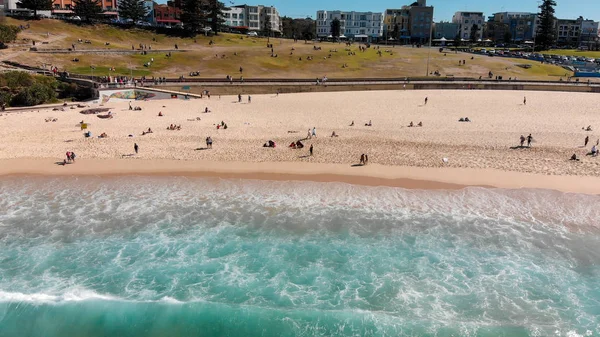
point(366, 159)
point(135, 148)
point(249, 99)
point(529, 140)
point(314, 131)
point(311, 150)
point(239, 98)
point(362, 159)
point(522, 140)
point(587, 140)
point(524, 100)
point(308, 135)
point(72, 156)
point(426, 99)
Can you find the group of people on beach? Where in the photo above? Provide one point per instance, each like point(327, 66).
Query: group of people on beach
point(529, 140)
point(70, 158)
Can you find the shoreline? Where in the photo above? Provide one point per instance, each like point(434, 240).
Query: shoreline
point(371, 175)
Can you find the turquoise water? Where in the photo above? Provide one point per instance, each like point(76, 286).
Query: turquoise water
point(200, 257)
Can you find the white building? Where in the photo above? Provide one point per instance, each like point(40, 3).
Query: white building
point(360, 26)
point(590, 33)
point(253, 18)
point(466, 20)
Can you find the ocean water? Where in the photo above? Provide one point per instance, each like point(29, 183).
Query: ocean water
point(175, 256)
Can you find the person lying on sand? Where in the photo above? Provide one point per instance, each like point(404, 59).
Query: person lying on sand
point(333, 134)
point(369, 124)
point(420, 124)
point(352, 124)
point(160, 114)
point(411, 125)
point(270, 143)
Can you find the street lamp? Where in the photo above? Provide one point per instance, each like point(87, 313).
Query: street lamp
point(429, 51)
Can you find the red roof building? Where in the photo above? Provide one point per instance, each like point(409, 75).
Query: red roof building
point(165, 14)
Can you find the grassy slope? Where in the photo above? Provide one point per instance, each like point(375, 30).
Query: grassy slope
point(573, 52)
point(254, 57)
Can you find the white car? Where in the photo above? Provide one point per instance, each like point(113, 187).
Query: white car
point(75, 18)
point(252, 34)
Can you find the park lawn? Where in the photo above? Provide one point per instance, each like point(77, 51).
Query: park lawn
point(573, 52)
point(230, 52)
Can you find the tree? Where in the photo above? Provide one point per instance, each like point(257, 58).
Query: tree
point(396, 32)
point(193, 16)
point(267, 27)
point(8, 33)
point(134, 10)
point(474, 32)
point(309, 29)
point(546, 34)
point(507, 37)
point(457, 40)
point(213, 13)
point(336, 27)
point(87, 9)
point(37, 5)
point(289, 28)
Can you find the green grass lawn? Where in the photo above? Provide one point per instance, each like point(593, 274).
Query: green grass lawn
point(573, 52)
point(231, 51)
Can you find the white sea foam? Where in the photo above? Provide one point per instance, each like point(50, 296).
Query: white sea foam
point(75, 295)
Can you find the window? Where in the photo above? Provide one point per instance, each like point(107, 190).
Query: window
point(363, 17)
point(466, 21)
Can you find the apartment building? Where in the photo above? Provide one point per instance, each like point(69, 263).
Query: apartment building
point(252, 18)
point(168, 15)
point(446, 30)
point(466, 20)
point(359, 26)
point(396, 23)
point(522, 26)
point(590, 33)
point(65, 7)
point(410, 23)
point(568, 31)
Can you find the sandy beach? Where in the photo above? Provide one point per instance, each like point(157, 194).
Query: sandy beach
point(482, 152)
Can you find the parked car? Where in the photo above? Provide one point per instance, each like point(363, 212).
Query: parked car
point(252, 34)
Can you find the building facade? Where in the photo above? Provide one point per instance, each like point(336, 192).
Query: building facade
point(446, 30)
point(568, 31)
point(410, 23)
point(421, 23)
point(590, 34)
point(65, 8)
point(253, 18)
point(167, 15)
point(396, 24)
point(522, 26)
point(466, 20)
point(359, 26)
